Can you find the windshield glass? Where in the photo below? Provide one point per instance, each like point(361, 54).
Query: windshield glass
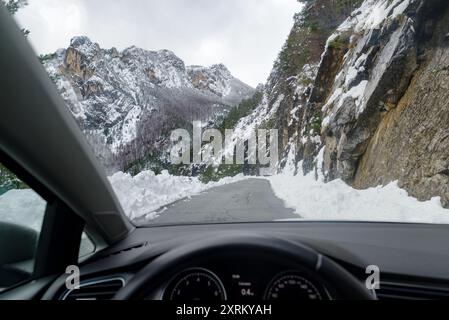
point(268, 110)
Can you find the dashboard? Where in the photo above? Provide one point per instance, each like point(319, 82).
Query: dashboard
point(412, 259)
point(243, 281)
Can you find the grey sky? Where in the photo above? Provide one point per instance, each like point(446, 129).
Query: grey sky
point(245, 35)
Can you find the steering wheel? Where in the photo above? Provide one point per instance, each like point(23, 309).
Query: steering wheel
point(169, 263)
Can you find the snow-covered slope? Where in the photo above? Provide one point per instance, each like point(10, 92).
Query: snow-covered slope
point(125, 101)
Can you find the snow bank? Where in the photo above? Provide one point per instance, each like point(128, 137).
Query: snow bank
point(140, 195)
point(146, 192)
point(335, 200)
point(23, 207)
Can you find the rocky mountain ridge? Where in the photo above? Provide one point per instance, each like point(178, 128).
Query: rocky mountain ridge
point(125, 101)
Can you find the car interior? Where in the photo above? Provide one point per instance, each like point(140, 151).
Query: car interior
point(250, 261)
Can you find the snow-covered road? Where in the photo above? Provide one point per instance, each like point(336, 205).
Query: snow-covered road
point(246, 200)
point(164, 199)
point(288, 197)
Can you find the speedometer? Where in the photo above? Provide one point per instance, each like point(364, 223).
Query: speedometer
point(292, 286)
point(196, 284)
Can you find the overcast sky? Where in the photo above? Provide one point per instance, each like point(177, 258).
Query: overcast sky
point(245, 35)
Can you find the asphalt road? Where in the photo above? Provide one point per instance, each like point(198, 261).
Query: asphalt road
point(248, 200)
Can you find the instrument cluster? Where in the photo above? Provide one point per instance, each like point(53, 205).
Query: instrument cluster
point(244, 282)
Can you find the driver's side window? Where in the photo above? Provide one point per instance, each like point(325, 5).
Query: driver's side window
point(21, 215)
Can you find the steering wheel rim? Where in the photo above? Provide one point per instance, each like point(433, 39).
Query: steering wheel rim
point(180, 258)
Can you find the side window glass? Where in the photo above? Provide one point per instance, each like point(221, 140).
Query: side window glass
point(21, 214)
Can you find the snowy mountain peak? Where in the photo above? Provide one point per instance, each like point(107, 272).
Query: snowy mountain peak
point(220, 68)
point(84, 45)
point(80, 41)
point(167, 54)
point(218, 80)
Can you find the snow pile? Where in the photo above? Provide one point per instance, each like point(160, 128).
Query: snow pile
point(23, 207)
point(315, 200)
point(146, 192)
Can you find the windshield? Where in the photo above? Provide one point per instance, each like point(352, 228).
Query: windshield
point(241, 111)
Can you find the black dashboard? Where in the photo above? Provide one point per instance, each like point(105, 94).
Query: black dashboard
point(412, 259)
point(243, 280)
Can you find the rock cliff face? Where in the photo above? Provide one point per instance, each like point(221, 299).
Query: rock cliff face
point(126, 102)
point(386, 117)
point(360, 93)
point(410, 141)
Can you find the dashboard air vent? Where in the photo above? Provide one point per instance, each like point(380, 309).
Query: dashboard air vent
point(394, 290)
point(96, 289)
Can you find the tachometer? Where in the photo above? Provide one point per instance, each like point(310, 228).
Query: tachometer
point(292, 286)
point(195, 285)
